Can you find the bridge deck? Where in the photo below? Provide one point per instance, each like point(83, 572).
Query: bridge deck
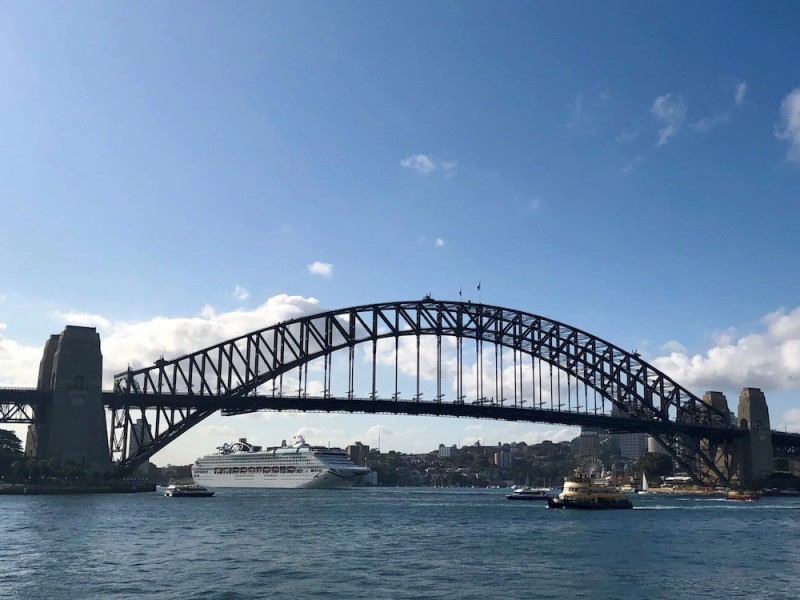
point(240, 405)
point(16, 405)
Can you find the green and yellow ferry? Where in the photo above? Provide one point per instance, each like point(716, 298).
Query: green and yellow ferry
point(584, 492)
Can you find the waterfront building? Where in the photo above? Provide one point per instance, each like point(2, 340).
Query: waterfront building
point(358, 453)
point(502, 459)
point(653, 447)
point(588, 442)
point(447, 451)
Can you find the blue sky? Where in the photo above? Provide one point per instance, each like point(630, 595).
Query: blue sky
point(630, 169)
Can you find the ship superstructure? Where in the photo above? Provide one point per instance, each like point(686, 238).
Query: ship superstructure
point(295, 465)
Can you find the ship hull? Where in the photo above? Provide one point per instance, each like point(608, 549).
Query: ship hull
point(558, 503)
point(287, 481)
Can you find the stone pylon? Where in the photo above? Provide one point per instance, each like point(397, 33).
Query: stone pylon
point(722, 454)
point(72, 427)
point(757, 460)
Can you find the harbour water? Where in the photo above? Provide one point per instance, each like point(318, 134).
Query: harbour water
point(393, 543)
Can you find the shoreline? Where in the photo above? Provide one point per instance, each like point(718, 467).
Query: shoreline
point(20, 489)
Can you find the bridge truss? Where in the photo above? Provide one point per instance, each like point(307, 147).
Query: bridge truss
point(459, 359)
point(18, 405)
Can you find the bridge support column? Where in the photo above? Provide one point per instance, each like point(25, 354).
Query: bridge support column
point(72, 428)
point(757, 460)
point(723, 454)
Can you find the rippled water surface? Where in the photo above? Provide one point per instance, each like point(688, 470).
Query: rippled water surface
point(393, 543)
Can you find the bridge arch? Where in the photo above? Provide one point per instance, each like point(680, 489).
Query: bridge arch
point(229, 376)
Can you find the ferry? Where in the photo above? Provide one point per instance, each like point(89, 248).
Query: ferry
point(743, 496)
point(529, 493)
point(584, 492)
point(295, 465)
point(187, 491)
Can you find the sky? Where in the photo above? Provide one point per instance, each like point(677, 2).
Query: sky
point(176, 174)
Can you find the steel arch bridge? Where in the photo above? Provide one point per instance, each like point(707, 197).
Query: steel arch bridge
point(497, 362)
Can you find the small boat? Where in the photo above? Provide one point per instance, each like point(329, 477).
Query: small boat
point(583, 492)
point(187, 491)
point(743, 496)
point(529, 493)
point(645, 488)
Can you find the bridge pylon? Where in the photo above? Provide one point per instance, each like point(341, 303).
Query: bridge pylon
point(70, 427)
point(758, 461)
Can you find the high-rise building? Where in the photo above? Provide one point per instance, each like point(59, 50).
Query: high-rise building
point(588, 442)
point(632, 445)
point(447, 451)
point(502, 459)
point(141, 431)
point(653, 447)
point(358, 453)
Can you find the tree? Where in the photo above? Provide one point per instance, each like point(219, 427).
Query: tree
point(654, 465)
point(10, 444)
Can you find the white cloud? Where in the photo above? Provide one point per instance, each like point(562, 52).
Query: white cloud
point(790, 420)
point(19, 365)
point(2, 297)
point(140, 343)
point(439, 242)
point(82, 319)
point(425, 165)
point(240, 293)
point(769, 360)
point(789, 127)
point(420, 163)
point(320, 268)
point(673, 346)
point(741, 90)
point(534, 204)
point(670, 111)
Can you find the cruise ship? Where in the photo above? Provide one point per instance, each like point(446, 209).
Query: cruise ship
point(295, 465)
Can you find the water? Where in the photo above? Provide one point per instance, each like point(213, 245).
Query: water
point(393, 543)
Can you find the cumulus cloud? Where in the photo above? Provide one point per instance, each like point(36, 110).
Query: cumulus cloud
point(769, 360)
point(82, 319)
point(439, 242)
point(425, 165)
point(240, 293)
point(140, 343)
point(19, 364)
point(321, 268)
point(791, 420)
point(673, 346)
point(789, 127)
point(670, 111)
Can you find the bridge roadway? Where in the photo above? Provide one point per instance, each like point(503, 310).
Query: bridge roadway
point(17, 405)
